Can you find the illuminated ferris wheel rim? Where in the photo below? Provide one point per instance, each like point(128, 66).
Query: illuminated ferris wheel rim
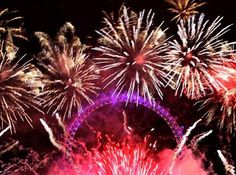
point(106, 99)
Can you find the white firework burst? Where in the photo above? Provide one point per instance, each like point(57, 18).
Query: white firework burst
point(196, 56)
point(68, 77)
point(131, 54)
point(17, 91)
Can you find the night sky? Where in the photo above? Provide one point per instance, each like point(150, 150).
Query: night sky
point(49, 15)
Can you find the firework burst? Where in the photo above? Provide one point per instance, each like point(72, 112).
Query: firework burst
point(126, 157)
point(184, 8)
point(131, 54)
point(197, 56)
point(4, 130)
point(16, 94)
point(230, 169)
point(134, 156)
point(10, 27)
point(126, 161)
point(68, 76)
point(221, 107)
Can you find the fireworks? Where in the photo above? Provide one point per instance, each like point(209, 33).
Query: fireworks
point(221, 107)
point(5, 130)
point(230, 169)
point(135, 156)
point(184, 8)
point(126, 157)
point(127, 160)
point(136, 61)
point(107, 99)
point(16, 95)
point(131, 54)
point(181, 145)
point(197, 56)
point(68, 76)
point(51, 136)
point(10, 27)
point(30, 161)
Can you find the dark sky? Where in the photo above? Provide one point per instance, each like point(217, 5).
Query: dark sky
point(49, 15)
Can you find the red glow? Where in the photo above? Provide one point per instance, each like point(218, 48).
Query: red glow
point(129, 156)
point(188, 56)
point(227, 80)
point(128, 160)
point(140, 59)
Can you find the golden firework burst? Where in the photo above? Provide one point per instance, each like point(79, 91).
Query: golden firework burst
point(17, 94)
point(67, 74)
point(184, 8)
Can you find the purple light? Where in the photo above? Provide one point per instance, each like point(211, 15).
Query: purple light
point(105, 99)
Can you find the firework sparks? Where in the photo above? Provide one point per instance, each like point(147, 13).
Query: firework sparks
point(132, 54)
point(68, 76)
point(143, 157)
point(51, 136)
point(181, 145)
point(16, 94)
point(198, 138)
point(4, 131)
point(197, 56)
point(10, 27)
point(228, 168)
point(8, 147)
point(221, 107)
point(61, 124)
point(30, 161)
point(184, 8)
point(119, 158)
point(126, 161)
